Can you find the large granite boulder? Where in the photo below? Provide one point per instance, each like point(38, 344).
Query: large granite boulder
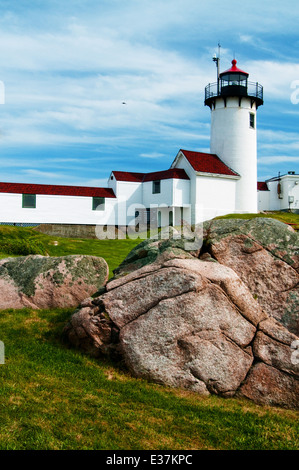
point(187, 319)
point(37, 281)
point(263, 252)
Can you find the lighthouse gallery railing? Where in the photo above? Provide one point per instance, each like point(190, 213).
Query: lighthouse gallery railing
point(254, 90)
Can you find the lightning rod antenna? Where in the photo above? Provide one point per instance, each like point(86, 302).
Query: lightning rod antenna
point(216, 59)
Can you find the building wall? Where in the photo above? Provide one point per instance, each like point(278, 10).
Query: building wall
point(274, 202)
point(56, 210)
point(181, 192)
point(129, 198)
point(215, 196)
point(112, 183)
point(182, 162)
point(164, 198)
point(120, 211)
point(210, 195)
point(135, 197)
point(174, 192)
point(200, 198)
point(263, 200)
point(289, 189)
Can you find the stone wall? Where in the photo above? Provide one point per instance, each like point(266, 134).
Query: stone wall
point(72, 230)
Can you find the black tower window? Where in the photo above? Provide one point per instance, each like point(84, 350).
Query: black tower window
point(252, 120)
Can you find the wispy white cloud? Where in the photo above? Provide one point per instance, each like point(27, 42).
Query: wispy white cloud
point(93, 182)
point(45, 175)
point(278, 141)
point(153, 155)
point(275, 76)
point(66, 78)
point(278, 159)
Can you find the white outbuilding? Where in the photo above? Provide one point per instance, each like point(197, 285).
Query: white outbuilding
point(280, 193)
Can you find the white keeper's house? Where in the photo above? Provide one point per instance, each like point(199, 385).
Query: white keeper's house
point(198, 186)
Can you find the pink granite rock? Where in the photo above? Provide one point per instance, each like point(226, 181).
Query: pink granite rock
point(218, 320)
point(186, 323)
point(265, 255)
point(47, 282)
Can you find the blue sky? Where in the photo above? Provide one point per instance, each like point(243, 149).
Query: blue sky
point(67, 68)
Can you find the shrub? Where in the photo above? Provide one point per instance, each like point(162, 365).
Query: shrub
point(22, 247)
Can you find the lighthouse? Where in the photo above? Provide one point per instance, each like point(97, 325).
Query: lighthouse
point(234, 101)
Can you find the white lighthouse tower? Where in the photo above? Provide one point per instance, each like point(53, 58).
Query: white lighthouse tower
point(233, 101)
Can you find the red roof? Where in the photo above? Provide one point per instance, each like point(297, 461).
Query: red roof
point(208, 163)
point(128, 176)
point(23, 188)
point(172, 173)
point(262, 186)
point(234, 69)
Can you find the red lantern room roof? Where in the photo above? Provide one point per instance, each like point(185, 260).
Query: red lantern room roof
point(234, 69)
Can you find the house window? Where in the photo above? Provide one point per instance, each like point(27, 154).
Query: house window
point(156, 187)
point(29, 201)
point(98, 203)
point(159, 219)
point(252, 120)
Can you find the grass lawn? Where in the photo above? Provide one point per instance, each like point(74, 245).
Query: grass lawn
point(54, 397)
point(286, 217)
point(18, 241)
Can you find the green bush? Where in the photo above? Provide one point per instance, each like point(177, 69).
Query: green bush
point(22, 247)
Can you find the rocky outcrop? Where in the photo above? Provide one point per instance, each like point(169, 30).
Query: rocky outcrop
point(47, 282)
point(189, 320)
point(263, 252)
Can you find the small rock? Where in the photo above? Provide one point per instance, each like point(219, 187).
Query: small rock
point(269, 386)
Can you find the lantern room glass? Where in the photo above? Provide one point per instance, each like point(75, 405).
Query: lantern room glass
point(233, 79)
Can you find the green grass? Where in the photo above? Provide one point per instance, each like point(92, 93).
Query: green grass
point(54, 397)
point(286, 217)
point(18, 241)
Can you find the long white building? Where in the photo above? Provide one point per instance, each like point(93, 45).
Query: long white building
point(198, 186)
